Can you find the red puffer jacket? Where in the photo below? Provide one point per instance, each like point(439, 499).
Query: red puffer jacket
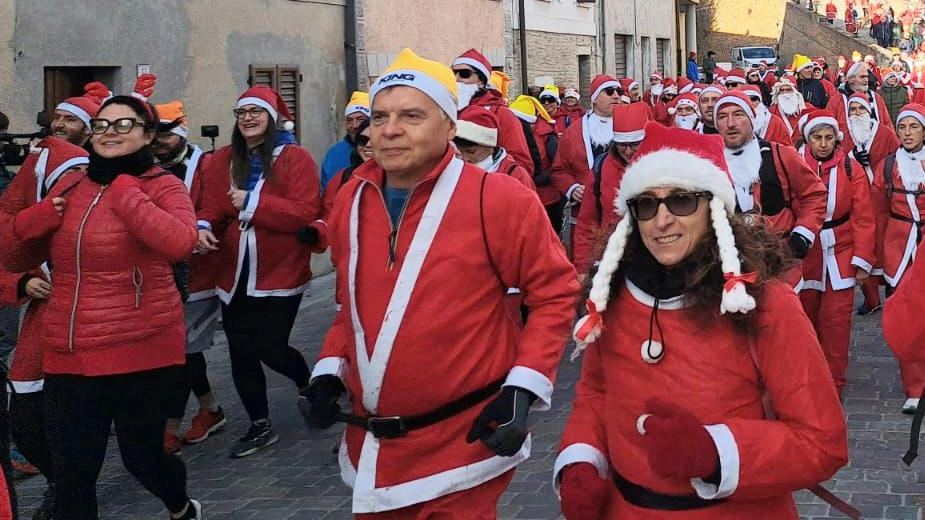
point(114, 306)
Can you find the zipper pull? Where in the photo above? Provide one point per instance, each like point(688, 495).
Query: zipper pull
point(392, 248)
point(137, 281)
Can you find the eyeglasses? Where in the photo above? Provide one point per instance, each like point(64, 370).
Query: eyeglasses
point(362, 140)
point(645, 207)
point(121, 126)
point(464, 73)
point(634, 144)
point(610, 91)
point(242, 113)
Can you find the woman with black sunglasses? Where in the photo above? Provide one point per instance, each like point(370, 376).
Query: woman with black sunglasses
point(114, 322)
point(689, 333)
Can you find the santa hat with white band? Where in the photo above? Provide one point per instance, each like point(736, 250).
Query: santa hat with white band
point(861, 99)
point(629, 122)
point(735, 97)
point(477, 61)
point(914, 110)
point(600, 82)
point(819, 118)
point(269, 100)
point(656, 165)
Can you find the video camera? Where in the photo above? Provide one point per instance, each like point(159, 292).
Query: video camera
point(13, 153)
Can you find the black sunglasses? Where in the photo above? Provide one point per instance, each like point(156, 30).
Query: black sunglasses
point(547, 100)
point(645, 207)
point(464, 73)
point(121, 126)
point(610, 91)
point(362, 140)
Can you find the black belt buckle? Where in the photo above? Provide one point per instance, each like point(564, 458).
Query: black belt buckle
point(386, 427)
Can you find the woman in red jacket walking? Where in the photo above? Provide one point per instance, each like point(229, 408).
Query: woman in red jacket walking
point(273, 192)
point(114, 328)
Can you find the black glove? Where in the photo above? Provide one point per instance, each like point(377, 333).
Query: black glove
point(308, 235)
point(508, 412)
point(862, 157)
point(318, 403)
point(799, 246)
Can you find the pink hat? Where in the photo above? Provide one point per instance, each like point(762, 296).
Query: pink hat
point(600, 82)
point(629, 122)
point(477, 61)
point(269, 100)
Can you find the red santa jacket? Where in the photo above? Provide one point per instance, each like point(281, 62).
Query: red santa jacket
point(592, 224)
point(507, 165)
point(790, 122)
point(882, 143)
point(762, 461)
point(434, 286)
point(660, 113)
point(899, 217)
point(543, 131)
point(276, 208)
point(776, 131)
point(565, 116)
point(768, 78)
point(510, 132)
point(847, 241)
point(572, 167)
point(903, 327)
point(838, 105)
point(202, 267)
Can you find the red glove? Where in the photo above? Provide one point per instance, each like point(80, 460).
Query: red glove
point(144, 86)
point(37, 221)
point(97, 92)
point(677, 445)
point(583, 492)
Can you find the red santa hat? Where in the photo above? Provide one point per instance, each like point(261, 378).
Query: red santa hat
point(736, 75)
point(571, 93)
point(893, 74)
point(685, 85)
point(629, 122)
point(56, 156)
point(912, 110)
point(818, 118)
point(712, 89)
point(855, 68)
point(869, 58)
point(269, 100)
point(763, 62)
point(83, 107)
point(600, 82)
point(669, 86)
point(657, 74)
point(656, 164)
point(478, 125)
point(735, 97)
point(477, 61)
point(689, 100)
point(861, 99)
point(785, 81)
point(698, 88)
point(628, 84)
point(752, 91)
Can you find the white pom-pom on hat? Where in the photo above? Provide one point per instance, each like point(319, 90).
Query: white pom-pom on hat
point(288, 126)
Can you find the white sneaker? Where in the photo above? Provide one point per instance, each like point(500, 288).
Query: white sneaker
point(910, 405)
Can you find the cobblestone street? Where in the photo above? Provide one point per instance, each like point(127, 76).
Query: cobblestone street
point(299, 479)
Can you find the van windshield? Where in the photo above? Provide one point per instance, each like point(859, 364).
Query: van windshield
point(758, 53)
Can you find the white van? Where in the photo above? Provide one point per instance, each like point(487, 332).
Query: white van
point(750, 57)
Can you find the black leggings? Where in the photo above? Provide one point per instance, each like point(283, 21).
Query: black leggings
point(258, 331)
point(79, 411)
point(197, 381)
point(555, 214)
point(27, 426)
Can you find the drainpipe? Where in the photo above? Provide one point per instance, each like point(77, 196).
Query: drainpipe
point(350, 46)
point(604, 37)
point(522, 22)
point(677, 36)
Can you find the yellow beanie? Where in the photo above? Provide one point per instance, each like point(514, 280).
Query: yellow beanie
point(430, 77)
point(528, 108)
point(359, 102)
point(500, 81)
point(170, 112)
point(800, 62)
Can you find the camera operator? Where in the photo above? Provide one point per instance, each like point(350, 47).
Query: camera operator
point(11, 154)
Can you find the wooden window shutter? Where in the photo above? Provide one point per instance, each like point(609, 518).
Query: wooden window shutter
point(619, 55)
point(283, 79)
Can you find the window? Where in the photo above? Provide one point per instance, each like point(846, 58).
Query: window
point(65, 82)
point(283, 79)
point(584, 76)
point(622, 54)
point(662, 48)
point(759, 53)
point(647, 56)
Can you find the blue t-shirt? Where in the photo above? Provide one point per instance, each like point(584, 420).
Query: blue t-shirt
point(395, 202)
point(336, 159)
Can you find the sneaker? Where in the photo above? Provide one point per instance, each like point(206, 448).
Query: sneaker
point(910, 405)
point(171, 442)
point(193, 511)
point(864, 310)
point(46, 510)
point(259, 436)
point(22, 468)
point(204, 424)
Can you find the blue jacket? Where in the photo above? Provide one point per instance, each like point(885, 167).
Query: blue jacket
point(693, 72)
point(336, 159)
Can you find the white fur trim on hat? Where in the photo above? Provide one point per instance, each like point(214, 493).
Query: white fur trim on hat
point(863, 102)
point(77, 111)
point(711, 88)
point(180, 130)
point(440, 94)
point(606, 84)
point(70, 163)
point(356, 108)
point(475, 64)
point(911, 113)
point(477, 134)
point(260, 103)
point(570, 92)
point(814, 123)
point(526, 117)
point(629, 137)
point(735, 79)
point(854, 69)
point(732, 100)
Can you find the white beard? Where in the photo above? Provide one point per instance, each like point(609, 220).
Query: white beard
point(686, 122)
point(657, 89)
point(790, 104)
point(910, 168)
point(465, 93)
point(600, 130)
point(861, 129)
point(744, 171)
point(762, 119)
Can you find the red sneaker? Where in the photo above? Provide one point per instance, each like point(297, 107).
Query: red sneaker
point(171, 442)
point(204, 424)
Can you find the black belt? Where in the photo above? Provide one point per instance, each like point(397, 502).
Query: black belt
point(837, 222)
point(648, 499)
point(897, 216)
point(395, 427)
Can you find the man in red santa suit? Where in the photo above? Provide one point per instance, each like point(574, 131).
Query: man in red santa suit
point(765, 75)
point(768, 126)
point(898, 180)
point(845, 250)
point(787, 103)
point(735, 78)
point(856, 80)
point(450, 451)
point(660, 110)
point(631, 88)
point(685, 112)
point(587, 138)
point(770, 178)
point(631, 448)
point(472, 71)
point(706, 100)
point(654, 92)
point(597, 216)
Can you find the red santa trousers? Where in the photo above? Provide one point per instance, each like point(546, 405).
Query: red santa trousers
point(830, 313)
point(478, 503)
